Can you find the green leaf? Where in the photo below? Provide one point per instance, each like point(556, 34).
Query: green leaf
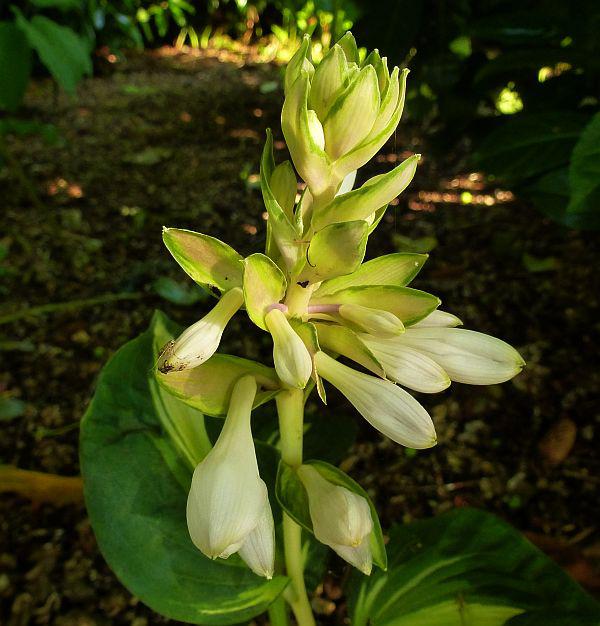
point(292, 496)
point(60, 49)
point(584, 170)
point(466, 568)
point(550, 194)
point(136, 486)
point(392, 269)
point(342, 340)
point(364, 201)
point(61, 5)
point(529, 145)
point(208, 261)
point(336, 250)
point(409, 305)
point(11, 408)
point(15, 66)
point(264, 284)
point(177, 293)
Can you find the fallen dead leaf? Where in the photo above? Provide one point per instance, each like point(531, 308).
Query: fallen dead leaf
point(40, 487)
point(558, 441)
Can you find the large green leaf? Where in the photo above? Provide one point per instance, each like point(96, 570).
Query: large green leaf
point(530, 145)
point(60, 49)
point(136, 482)
point(584, 171)
point(467, 568)
point(15, 66)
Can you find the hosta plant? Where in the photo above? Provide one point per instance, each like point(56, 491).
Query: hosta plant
point(212, 526)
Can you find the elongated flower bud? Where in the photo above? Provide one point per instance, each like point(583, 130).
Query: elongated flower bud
point(228, 505)
point(466, 355)
point(341, 518)
point(407, 366)
point(384, 405)
point(373, 321)
point(292, 360)
point(200, 341)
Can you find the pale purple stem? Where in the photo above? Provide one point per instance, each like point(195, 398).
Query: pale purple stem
point(323, 308)
point(277, 305)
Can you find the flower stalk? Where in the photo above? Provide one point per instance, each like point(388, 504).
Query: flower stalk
point(290, 408)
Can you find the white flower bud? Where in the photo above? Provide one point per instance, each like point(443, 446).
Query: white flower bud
point(373, 321)
point(293, 363)
point(341, 518)
point(466, 355)
point(407, 366)
point(384, 405)
point(228, 505)
point(200, 341)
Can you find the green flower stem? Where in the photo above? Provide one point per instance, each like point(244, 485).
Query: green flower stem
point(290, 407)
point(278, 615)
point(297, 299)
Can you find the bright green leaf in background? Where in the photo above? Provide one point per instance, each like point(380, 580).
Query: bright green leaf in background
point(15, 65)
point(60, 49)
point(136, 482)
point(584, 170)
point(61, 5)
point(467, 568)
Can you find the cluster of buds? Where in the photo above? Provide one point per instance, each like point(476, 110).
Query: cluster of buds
point(312, 292)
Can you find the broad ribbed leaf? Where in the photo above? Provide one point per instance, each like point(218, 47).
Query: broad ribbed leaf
point(467, 568)
point(136, 483)
point(208, 261)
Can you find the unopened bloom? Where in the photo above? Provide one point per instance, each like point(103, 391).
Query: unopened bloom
point(467, 356)
point(335, 118)
point(228, 506)
point(373, 321)
point(383, 404)
point(293, 363)
point(341, 518)
point(200, 341)
point(407, 366)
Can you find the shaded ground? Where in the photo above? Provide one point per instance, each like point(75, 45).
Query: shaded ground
point(176, 140)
